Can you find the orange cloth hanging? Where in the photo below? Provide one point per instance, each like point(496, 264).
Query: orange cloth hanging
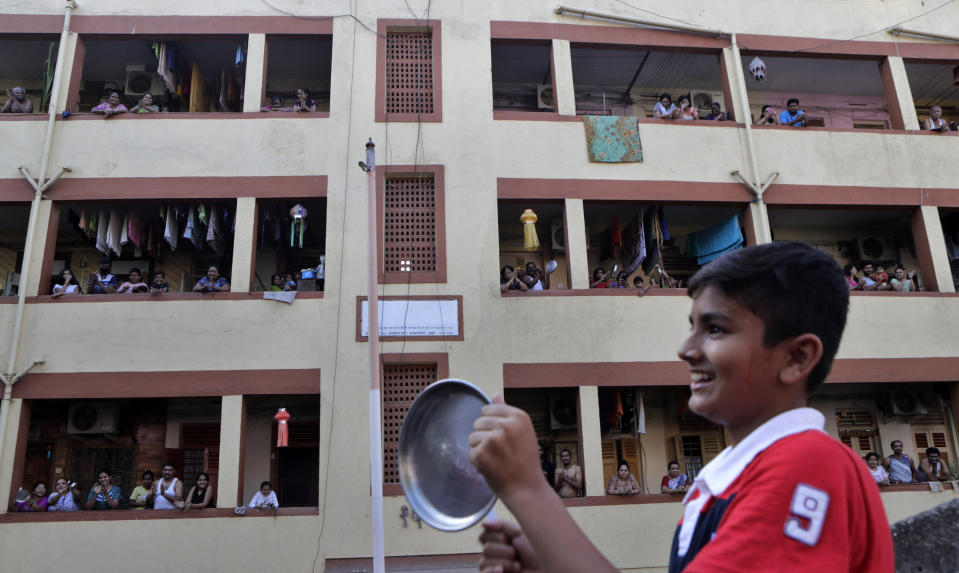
point(282, 431)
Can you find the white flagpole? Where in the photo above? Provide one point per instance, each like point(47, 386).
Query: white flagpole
point(373, 332)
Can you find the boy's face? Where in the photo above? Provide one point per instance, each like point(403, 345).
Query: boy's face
point(733, 375)
point(265, 490)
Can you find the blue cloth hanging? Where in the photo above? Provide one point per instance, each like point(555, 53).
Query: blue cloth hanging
point(712, 242)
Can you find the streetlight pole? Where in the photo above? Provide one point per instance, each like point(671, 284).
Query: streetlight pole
point(373, 332)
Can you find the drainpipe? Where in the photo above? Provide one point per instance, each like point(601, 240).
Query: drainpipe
point(11, 376)
point(755, 185)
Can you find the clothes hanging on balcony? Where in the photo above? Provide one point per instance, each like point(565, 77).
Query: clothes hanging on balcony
point(124, 228)
point(714, 241)
point(135, 228)
point(170, 229)
point(103, 244)
point(654, 239)
point(214, 233)
point(634, 245)
point(114, 230)
point(612, 139)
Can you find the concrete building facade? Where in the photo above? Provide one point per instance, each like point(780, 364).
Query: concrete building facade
point(477, 112)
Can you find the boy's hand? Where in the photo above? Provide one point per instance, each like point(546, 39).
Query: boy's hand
point(503, 448)
point(506, 549)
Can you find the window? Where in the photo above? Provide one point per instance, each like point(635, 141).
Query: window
point(402, 383)
point(409, 70)
point(295, 63)
point(285, 245)
point(147, 236)
point(522, 76)
point(29, 63)
point(614, 80)
point(934, 84)
point(834, 93)
point(857, 237)
point(667, 254)
point(13, 239)
point(550, 232)
point(412, 235)
point(195, 75)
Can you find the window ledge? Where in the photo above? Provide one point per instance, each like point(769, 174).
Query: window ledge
point(895, 294)
point(24, 116)
point(638, 499)
point(514, 115)
point(164, 115)
point(653, 292)
point(257, 295)
point(131, 515)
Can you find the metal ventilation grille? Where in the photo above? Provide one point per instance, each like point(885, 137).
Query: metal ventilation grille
point(409, 72)
point(402, 383)
point(409, 224)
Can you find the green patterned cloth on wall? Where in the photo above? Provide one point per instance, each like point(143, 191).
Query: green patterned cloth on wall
point(611, 139)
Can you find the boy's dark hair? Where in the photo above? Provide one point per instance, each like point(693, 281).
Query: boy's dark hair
point(932, 451)
point(871, 455)
point(792, 99)
point(266, 483)
point(792, 287)
point(893, 442)
point(148, 473)
point(171, 464)
point(671, 463)
point(621, 464)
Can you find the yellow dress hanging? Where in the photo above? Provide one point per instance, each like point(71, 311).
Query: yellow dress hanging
point(530, 240)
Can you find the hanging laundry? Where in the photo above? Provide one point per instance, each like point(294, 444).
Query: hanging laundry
point(240, 58)
point(170, 230)
point(135, 230)
point(714, 241)
point(201, 213)
point(189, 231)
point(616, 236)
point(662, 222)
point(634, 245)
point(616, 412)
point(652, 237)
point(103, 243)
point(613, 139)
point(124, 235)
point(92, 228)
point(214, 234)
point(114, 230)
point(83, 221)
point(165, 70)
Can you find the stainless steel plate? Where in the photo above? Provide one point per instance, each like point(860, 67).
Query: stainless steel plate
point(437, 477)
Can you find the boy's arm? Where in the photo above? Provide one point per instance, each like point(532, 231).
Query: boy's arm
point(503, 448)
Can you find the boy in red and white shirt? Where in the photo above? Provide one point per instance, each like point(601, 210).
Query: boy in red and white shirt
point(784, 496)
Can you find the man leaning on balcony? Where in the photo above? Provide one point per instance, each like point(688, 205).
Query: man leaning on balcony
point(792, 115)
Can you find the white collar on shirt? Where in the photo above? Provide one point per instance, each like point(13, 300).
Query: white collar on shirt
point(726, 467)
point(723, 470)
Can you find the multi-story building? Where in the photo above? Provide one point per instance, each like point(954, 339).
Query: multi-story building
point(477, 111)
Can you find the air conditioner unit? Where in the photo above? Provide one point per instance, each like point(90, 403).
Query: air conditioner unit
point(877, 249)
point(544, 96)
point(557, 232)
point(906, 403)
point(562, 412)
point(92, 418)
point(703, 101)
point(139, 83)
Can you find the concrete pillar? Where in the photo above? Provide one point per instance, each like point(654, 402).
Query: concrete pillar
point(728, 61)
point(565, 94)
point(931, 249)
point(232, 438)
point(41, 250)
point(71, 72)
point(18, 422)
point(575, 225)
point(255, 87)
point(591, 458)
point(895, 84)
point(244, 245)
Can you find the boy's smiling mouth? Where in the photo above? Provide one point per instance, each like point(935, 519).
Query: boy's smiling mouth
point(699, 379)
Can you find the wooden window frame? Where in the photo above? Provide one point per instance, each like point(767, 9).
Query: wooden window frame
point(439, 206)
point(440, 360)
point(383, 26)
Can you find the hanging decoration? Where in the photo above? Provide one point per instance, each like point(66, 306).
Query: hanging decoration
point(530, 240)
point(758, 69)
point(298, 214)
point(282, 431)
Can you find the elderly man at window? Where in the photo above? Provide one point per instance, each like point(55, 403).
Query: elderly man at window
point(17, 102)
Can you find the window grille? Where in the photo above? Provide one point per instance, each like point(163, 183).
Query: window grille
point(409, 72)
point(409, 224)
point(402, 383)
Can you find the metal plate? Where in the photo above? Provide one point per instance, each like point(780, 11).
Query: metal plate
point(438, 479)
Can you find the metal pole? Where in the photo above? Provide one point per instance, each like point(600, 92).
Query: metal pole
point(373, 332)
point(567, 11)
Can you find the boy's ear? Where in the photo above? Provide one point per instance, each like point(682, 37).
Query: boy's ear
point(803, 353)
